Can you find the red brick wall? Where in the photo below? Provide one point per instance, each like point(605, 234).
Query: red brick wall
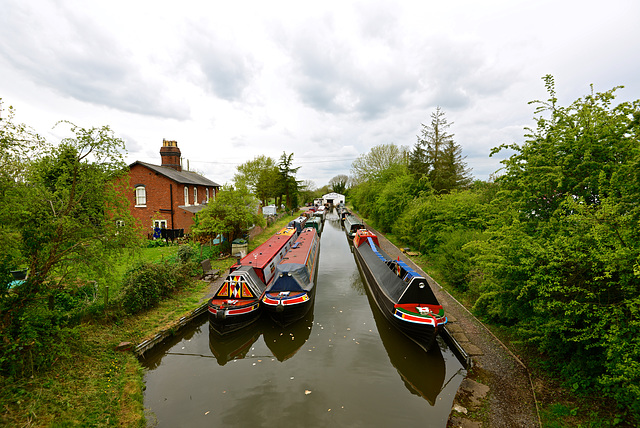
point(158, 205)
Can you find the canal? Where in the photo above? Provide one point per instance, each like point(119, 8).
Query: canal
point(342, 365)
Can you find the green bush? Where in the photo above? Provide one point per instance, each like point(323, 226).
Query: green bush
point(146, 283)
point(34, 337)
point(185, 253)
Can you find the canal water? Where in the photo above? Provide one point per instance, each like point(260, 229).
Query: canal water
point(342, 365)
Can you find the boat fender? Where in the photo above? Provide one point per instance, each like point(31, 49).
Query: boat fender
point(280, 307)
point(221, 314)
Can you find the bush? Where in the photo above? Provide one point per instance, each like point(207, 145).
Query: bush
point(34, 338)
point(185, 253)
point(146, 283)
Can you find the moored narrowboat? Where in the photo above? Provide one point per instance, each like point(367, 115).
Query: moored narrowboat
point(316, 223)
point(291, 294)
point(351, 225)
point(236, 303)
point(403, 296)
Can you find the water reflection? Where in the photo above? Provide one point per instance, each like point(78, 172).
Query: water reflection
point(284, 342)
point(423, 372)
point(153, 358)
point(233, 346)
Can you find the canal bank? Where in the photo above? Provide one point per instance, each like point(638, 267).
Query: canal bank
point(498, 389)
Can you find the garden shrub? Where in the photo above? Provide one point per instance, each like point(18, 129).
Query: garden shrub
point(185, 253)
point(146, 283)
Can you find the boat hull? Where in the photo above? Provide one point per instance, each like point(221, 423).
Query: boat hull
point(376, 273)
point(225, 319)
point(285, 311)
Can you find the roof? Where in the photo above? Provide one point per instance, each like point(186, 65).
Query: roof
point(333, 195)
point(193, 208)
point(182, 177)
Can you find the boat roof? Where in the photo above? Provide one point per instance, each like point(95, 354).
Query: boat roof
point(263, 254)
point(351, 219)
point(245, 274)
point(417, 290)
point(299, 253)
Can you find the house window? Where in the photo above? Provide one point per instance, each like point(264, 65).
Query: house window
point(186, 195)
point(195, 195)
point(119, 223)
point(207, 194)
point(160, 224)
point(141, 196)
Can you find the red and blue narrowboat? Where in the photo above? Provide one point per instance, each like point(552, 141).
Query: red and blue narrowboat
point(290, 296)
point(236, 303)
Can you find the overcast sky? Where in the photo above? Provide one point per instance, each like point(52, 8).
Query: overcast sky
point(326, 80)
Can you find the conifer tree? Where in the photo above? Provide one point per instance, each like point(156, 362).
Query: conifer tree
point(437, 155)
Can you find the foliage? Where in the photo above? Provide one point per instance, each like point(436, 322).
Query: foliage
point(259, 176)
point(338, 183)
point(34, 339)
point(371, 165)
point(146, 283)
point(66, 217)
point(185, 253)
point(437, 156)
point(565, 250)
point(230, 214)
point(59, 204)
point(288, 185)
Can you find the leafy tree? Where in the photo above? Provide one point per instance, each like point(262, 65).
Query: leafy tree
point(260, 176)
point(338, 183)
point(372, 164)
point(230, 214)
point(68, 216)
point(60, 204)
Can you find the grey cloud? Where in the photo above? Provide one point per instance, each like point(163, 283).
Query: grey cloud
point(77, 60)
point(227, 70)
point(330, 79)
point(458, 74)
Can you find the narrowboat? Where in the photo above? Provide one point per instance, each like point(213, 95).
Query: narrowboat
point(236, 303)
point(321, 213)
point(351, 225)
point(291, 294)
point(315, 223)
point(404, 297)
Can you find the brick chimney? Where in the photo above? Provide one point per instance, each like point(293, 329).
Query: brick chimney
point(170, 154)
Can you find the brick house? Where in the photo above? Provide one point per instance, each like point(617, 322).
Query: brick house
point(164, 196)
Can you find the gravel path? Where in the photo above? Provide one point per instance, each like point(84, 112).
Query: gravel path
point(510, 401)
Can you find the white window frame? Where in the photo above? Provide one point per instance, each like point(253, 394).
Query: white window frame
point(160, 223)
point(195, 195)
point(141, 196)
point(186, 195)
point(206, 189)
